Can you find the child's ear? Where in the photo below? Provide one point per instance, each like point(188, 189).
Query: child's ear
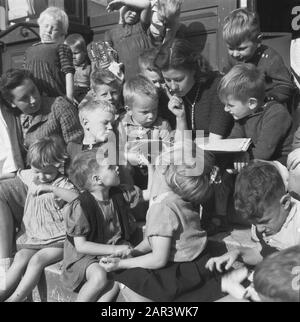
point(259, 38)
point(128, 110)
point(252, 103)
point(96, 180)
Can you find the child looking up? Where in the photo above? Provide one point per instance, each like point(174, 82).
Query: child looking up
point(98, 224)
point(242, 35)
point(50, 61)
point(42, 233)
point(82, 66)
point(269, 125)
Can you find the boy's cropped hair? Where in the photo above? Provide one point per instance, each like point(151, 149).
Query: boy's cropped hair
point(58, 15)
point(139, 85)
point(277, 277)
point(90, 104)
point(47, 151)
point(104, 77)
point(82, 169)
point(76, 41)
point(257, 187)
point(243, 81)
point(241, 25)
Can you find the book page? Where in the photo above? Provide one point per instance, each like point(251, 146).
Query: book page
point(227, 145)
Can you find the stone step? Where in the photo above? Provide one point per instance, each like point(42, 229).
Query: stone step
point(51, 289)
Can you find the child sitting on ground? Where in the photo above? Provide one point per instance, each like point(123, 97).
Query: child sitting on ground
point(261, 198)
point(169, 264)
point(242, 35)
point(269, 125)
point(50, 61)
point(42, 233)
point(98, 224)
point(82, 66)
point(106, 87)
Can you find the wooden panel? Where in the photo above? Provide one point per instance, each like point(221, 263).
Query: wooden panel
point(202, 22)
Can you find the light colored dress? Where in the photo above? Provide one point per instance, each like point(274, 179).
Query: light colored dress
point(43, 221)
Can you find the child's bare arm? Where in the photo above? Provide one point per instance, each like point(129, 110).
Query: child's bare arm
point(250, 256)
point(61, 193)
point(117, 4)
point(142, 248)
point(70, 86)
point(156, 259)
point(89, 248)
point(8, 176)
point(146, 193)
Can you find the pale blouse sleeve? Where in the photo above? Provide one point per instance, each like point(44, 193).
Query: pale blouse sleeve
point(161, 221)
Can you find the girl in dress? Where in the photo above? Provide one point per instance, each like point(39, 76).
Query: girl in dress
point(51, 61)
point(42, 233)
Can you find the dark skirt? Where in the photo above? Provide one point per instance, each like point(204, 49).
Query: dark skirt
point(177, 282)
point(74, 276)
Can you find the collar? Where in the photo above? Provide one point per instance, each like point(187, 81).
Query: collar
point(91, 146)
point(127, 120)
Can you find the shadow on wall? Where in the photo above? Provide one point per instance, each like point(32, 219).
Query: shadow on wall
point(194, 32)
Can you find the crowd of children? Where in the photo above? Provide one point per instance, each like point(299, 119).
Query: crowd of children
point(105, 147)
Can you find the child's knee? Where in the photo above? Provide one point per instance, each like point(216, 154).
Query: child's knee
point(98, 278)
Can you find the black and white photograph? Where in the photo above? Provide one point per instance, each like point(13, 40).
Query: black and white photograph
point(150, 154)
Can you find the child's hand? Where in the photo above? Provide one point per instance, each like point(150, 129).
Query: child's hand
point(241, 161)
point(293, 159)
point(123, 251)
point(42, 189)
point(231, 283)
point(110, 264)
point(228, 260)
point(136, 159)
point(115, 5)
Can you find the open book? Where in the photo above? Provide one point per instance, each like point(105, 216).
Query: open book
point(227, 145)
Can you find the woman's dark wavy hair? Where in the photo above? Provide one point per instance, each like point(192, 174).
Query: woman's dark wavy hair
point(9, 81)
point(257, 187)
point(182, 54)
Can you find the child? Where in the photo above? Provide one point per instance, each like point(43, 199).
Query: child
point(148, 68)
point(277, 278)
point(98, 224)
point(141, 122)
point(261, 198)
point(50, 60)
point(269, 125)
point(130, 38)
point(169, 264)
point(242, 35)
point(105, 86)
point(42, 232)
point(82, 66)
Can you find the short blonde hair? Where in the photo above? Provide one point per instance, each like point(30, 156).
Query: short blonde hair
point(189, 176)
point(58, 15)
point(139, 85)
point(243, 81)
point(241, 25)
point(90, 104)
